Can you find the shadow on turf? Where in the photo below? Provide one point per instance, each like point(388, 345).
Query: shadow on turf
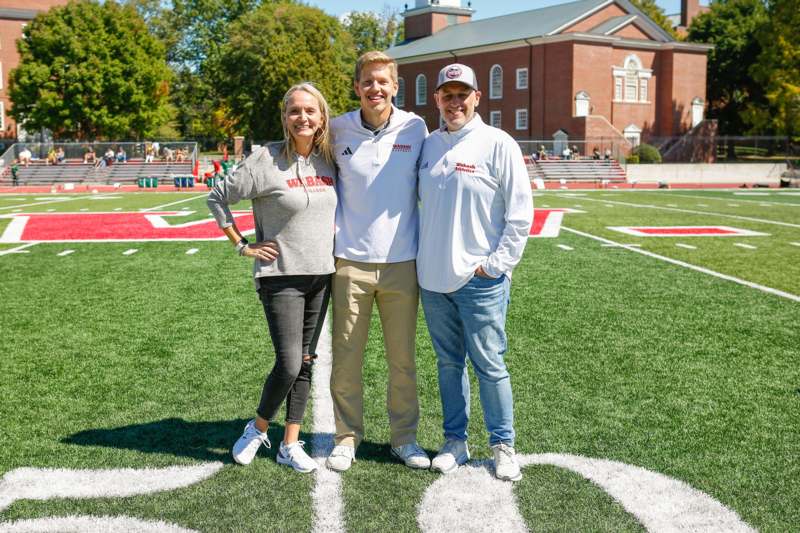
point(206, 441)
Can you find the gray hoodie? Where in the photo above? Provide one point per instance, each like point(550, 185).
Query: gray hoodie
point(294, 203)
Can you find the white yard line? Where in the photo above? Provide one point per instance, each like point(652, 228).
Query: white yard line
point(326, 498)
point(681, 195)
point(65, 253)
point(692, 211)
point(54, 200)
point(192, 251)
point(687, 246)
point(696, 268)
point(746, 246)
point(565, 247)
point(156, 208)
point(18, 249)
point(130, 252)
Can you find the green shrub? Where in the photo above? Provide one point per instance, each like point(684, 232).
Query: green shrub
point(647, 153)
point(633, 159)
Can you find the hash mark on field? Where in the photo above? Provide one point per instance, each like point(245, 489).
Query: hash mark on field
point(84, 209)
point(733, 205)
point(565, 247)
point(50, 210)
point(546, 205)
point(687, 246)
point(672, 205)
point(795, 243)
point(609, 205)
point(619, 245)
point(18, 249)
point(16, 210)
point(117, 209)
point(64, 253)
point(702, 205)
point(742, 245)
point(192, 251)
point(130, 252)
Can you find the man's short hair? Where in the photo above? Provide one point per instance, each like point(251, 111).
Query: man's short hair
point(375, 56)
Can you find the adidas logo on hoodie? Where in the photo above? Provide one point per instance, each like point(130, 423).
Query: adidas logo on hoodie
point(347, 151)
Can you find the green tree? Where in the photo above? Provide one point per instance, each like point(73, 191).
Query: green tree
point(373, 31)
point(90, 71)
point(731, 26)
point(778, 71)
point(652, 10)
point(273, 48)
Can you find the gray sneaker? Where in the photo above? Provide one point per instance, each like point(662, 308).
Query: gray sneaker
point(412, 455)
point(453, 454)
point(505, 463)
point(341, 458)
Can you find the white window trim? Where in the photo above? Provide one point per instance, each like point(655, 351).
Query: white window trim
point(633, 134)
point(499, 116)
point(2, 77)
point(421, 97)
point(582, 98)
point(517, 114)
point(2, 116)
point(495, 95)
point(527, 78)
point(619, 75)
point(400, 98)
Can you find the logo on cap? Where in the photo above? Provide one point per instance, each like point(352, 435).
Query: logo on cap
point(453, 72)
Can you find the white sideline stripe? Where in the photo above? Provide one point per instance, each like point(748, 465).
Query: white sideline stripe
point(565, 247)
point(47, 483)
point(326, 497)
point(692, 211)
point(687, 246)
point(156, 208)
point(728, 199)
point(192, 251)
point(18, 249)
point(751, 194)
point(130, 252)
point(747, 246)
point(65, 252)
point(82, 524)
point(696, 268)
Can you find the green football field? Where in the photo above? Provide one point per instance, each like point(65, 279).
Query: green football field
point(656, 379)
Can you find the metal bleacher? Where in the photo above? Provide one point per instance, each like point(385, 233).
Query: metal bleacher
point(600, 171)
point(40, 173)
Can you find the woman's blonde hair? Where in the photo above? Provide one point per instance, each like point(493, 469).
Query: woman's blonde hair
point(322, 137)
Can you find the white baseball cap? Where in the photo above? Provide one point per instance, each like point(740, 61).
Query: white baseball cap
point(457, 72)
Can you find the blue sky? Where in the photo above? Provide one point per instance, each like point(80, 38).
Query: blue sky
point(483, 8)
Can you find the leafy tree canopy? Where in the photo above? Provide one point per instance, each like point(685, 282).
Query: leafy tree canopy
point(373, 31)
point(273, 48)
point(90, 71)
point(652, 10)
point(731, 26)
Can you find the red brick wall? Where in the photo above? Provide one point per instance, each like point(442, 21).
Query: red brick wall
point(418, 26)
point(631, 32)
point(664, 99)
point(688, 82)
point(642, 114)
point(592, 73)
point(557, 94)
point(598, 18)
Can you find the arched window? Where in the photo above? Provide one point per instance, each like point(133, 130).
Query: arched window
point(697, 111)
point(582, 104)
point(422, 89)
point(633, 134)
point(400, 99)
point(496, 82)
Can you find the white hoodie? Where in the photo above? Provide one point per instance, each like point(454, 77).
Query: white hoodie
point(477, 206)
point(376, 218)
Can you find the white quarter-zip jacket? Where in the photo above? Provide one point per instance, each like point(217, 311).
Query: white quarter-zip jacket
point(476, 206)
point(376, 217)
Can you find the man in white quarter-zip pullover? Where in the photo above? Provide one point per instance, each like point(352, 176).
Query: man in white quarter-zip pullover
point(376, 148)
point(475, 216)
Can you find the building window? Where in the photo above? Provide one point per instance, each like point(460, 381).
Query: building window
point(494, 119)
point(643, 89)
point(582, 104)
point(522, 119)
point(400, 99)
point(697, 111)
point(422, 90)
point(496, 82)
point(2, 116)
point(633, 134)
point(630, 86)
point(617, 88)
point(522, 78)
point(1, 76)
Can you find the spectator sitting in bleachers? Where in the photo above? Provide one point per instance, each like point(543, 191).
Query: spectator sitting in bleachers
point(51, 157)
point(25, 156)
point(566, 153)
point(60, 156)
point(148, 154)
point(542, 153)
point(607, 155)
point(14, 170)
point(122, 157)
point(596, 153)
point(180, 154)
point(89, 156)
point(576, 154)
point(169, 154)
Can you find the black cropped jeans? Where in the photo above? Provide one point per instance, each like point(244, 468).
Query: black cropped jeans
point(295, 308)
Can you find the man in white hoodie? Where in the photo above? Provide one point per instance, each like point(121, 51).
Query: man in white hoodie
point(475, 217)
point(376, 149)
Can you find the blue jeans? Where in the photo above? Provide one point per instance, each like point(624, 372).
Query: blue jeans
point(471, 322)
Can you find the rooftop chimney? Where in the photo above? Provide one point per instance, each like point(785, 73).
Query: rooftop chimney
point(429, 16)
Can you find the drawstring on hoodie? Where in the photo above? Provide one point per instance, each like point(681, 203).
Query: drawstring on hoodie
point(299, 176)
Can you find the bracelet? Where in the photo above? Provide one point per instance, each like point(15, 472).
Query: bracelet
point(241, 245)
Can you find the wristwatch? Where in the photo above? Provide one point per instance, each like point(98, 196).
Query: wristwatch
point(241, 245)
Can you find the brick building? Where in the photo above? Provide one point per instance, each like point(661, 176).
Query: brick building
point(583, 70)
point(14, 15)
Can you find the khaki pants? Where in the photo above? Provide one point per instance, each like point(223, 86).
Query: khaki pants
point(355, 287)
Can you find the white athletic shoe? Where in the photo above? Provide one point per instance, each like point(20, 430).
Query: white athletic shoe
point(295, 456)
point(341, 458)
point(244, 450)
point(412, 455)
point(505, 463)
point(453, 454)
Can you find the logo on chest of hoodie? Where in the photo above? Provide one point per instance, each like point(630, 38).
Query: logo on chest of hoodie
point(347, 151)
point(401, 148)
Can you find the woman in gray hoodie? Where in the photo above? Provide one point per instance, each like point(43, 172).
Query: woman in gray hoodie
point(291, 186)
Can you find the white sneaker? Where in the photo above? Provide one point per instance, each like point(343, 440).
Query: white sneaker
point(244, 450)
point(505, 463)
point(341, 458)
point(412, 455)
point(295, 456)
point(453, 454)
